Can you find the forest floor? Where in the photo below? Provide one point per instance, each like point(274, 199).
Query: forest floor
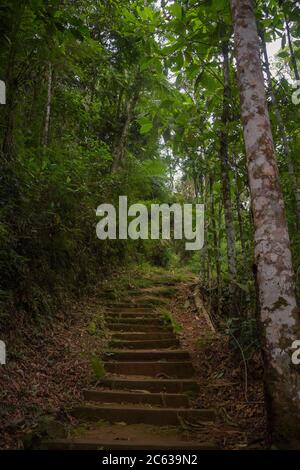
point(238, 397)
point(50, 364)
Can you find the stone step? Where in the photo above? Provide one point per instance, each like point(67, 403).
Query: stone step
point(137, 320)
point(150, 301)
point(142, 336)
point(176, 369)
point(144, 344)
point(132, 437)
point(139, 302)
point(147, 355)
point(150, 384)
point(126, 444)
point(118, 314)
point(121, 396)
point(137, 327)
point(130, 306)
point(163, 292)
point(141, 414)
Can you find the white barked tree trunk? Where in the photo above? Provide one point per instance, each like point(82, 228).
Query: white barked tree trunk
point(279, 317)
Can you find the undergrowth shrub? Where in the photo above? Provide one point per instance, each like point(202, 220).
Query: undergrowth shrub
point(48, 244)
point(243, 336)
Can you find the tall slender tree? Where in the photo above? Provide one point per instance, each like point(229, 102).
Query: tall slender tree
point(281, 127)
point(223, 153)
point(45, 140)
point(279, 316)
point(291, 48)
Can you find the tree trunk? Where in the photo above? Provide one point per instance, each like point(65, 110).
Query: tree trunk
point(45, 140)
point(208, 251)
point(215, 239)
point(223, 153)
point(239, 216)
point(120, 147)
point(293, 57)
point(11, 82)
point(281, 128)
point(279, 316)
point(203, 254)
point(11, 89)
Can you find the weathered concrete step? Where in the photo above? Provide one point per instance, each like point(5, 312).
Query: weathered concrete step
point(138, 320)
point(136, 327)
point(121, 396)
point(151, 385)
point(140, 414)
point(170, 282)
point(163, 292)
point(129, 306)
point(151, 301)
point(118, 314)
point(147, 355)
point(178, 369)
point(118, 444)
point(114, 436)
point(144, 344)
point(142, 301)
point(140, 335)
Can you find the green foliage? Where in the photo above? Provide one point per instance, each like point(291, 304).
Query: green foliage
point(243, 335)
point(141, 82)
point(92, 328)
point(49, 193)
point(168, 320)
point(98, 368)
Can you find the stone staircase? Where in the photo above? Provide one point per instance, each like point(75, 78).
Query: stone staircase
point(143, 401)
